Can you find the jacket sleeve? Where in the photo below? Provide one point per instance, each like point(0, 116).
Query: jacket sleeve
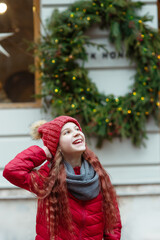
point(115, 234)
point(18, 171)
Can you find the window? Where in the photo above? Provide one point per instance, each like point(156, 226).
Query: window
point(19, 25)
point(158, 5)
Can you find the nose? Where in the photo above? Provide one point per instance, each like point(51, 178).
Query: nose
point(76, 133)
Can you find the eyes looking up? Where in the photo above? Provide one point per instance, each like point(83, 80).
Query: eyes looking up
point(69, 130)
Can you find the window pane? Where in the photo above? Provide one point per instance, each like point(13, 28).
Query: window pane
point(16, 81)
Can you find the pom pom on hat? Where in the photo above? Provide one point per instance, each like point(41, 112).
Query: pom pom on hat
point(35, 134)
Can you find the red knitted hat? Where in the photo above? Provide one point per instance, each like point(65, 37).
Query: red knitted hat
point(50, 131)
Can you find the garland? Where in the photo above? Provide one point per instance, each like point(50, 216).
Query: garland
point(66, 87)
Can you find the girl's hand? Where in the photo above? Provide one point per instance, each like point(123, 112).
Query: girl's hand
point(47, 152)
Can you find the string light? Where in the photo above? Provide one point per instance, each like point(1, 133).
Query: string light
point(72, 15)
point(3, 8)
point(33, 8)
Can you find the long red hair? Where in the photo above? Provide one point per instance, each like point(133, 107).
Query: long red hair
point(53, 193)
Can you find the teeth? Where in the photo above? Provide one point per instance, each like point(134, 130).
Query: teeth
point(78, 141)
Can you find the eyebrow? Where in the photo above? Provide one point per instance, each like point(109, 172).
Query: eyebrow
point(69, 128)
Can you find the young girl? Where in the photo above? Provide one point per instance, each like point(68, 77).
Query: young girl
point(76, 200)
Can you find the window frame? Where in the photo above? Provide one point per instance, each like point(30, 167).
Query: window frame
point(158, 8)
point(36, 34)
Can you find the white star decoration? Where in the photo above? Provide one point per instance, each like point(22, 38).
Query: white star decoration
point(3, 36)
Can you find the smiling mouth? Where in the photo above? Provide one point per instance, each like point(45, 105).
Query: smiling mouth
point(78, 141)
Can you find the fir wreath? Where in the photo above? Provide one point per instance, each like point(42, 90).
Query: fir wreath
point(66, 87)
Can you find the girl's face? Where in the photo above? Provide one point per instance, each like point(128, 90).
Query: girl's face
point(72, 140)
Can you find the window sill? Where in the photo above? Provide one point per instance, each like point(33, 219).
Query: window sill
point(36, 104)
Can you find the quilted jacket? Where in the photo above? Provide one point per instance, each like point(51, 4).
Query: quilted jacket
point(87, 216)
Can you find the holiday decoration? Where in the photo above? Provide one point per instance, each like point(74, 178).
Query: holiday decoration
point(3, 36)
point(66, 87)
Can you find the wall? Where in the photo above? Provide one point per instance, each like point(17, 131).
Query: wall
point(135, 172)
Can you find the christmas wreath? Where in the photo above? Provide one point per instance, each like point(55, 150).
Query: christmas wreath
point(66, 87)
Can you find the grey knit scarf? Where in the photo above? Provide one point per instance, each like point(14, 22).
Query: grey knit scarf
point(84, 186)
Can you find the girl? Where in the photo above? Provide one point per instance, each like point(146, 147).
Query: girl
point(76, 199)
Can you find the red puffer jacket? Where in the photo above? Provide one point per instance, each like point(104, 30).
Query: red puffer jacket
point(87, 215)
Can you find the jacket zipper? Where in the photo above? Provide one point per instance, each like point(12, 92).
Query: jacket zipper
point(83, 221)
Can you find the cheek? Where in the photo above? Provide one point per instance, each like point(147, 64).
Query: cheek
point(83, 137)
point(64, 143)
